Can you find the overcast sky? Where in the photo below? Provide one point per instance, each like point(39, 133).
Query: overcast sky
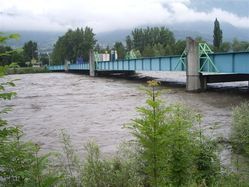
point(108, 15)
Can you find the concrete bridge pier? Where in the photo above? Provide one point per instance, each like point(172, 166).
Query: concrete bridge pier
point(92, 66)
point(193, 82)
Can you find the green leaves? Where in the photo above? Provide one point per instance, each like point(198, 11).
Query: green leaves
point(217, 35)
point(73, 44)
point(7, 96)
point(172, 152)
point(4, 37)
point(240, 129)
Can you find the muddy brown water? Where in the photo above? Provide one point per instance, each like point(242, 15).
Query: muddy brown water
point(97, 108)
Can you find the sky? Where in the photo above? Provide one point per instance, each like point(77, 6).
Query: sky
point(110, 15)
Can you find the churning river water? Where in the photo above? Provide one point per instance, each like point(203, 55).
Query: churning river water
point(97, 108)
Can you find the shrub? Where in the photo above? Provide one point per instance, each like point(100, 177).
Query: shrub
point(20, 164)
point(70, 165)
point(173, 154)
point(240, 129)
point(120, 170)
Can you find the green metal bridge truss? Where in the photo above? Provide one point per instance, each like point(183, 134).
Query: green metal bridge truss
point(207, 62)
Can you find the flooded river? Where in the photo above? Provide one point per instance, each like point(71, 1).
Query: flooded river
point(97, 108)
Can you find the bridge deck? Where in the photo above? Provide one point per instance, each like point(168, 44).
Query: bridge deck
point(236, 62)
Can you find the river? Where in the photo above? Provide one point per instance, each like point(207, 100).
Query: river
point(97, 108)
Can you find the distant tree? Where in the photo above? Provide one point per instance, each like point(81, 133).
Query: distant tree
point(151, 41)
point(44, 58)
point(158, 50)
point(129, 44)
point(119, 47)
point(217, 36)
point(73, 44)
point(30, 51)
point(199, 39)
point(225, 47)
point(18, 57)
point(97, 48)
point(179, 47)
point(239, 45)
point(5, 59)
point(148, 51)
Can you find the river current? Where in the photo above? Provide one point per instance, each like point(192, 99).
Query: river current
point(97, 108)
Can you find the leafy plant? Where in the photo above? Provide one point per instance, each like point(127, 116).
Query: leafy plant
point(117, 171)
point(240, 129)
point(70, 166)
point(174, 154)
point(20, 164)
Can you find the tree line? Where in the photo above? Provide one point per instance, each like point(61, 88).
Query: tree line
point(22, 56)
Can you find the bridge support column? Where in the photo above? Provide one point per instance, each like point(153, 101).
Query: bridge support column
point(193, 63)
point(92, 66)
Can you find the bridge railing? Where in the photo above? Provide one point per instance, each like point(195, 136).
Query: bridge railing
point(84, 66)
point(232, 62)
point(56, 68)
point(165, 63)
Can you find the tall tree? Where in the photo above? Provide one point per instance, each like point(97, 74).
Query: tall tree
point(151, 41)
point(30, 51)
point(129, 44)
point(75, 43)
point(217, 36)
point(119, 47)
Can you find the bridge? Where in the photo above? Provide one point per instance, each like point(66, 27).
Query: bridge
point(202, 66)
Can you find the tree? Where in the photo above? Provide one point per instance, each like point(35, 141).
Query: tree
point(5, 59)
point(30, 51)
point(199, 39)
point(217, 36)
point(172, 152)
point(119, 47)
point(179, 47)
point(75, 43)
point(148, 51)
point(129, 44)
point(239, 45)
point(151, 41)
point(19, 161)
point(44, 59)
point(225, 47)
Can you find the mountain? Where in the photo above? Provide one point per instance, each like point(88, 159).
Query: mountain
point(183, 30)
point(46, 40)
point(205, 30)
point(109, 38)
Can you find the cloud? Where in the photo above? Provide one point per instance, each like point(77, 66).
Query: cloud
point(105, 15)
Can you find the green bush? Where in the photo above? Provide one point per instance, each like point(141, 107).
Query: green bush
point(70, 165)
point(120, 170)
point(240, 129)
point(20, 164)
point(172, 152)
